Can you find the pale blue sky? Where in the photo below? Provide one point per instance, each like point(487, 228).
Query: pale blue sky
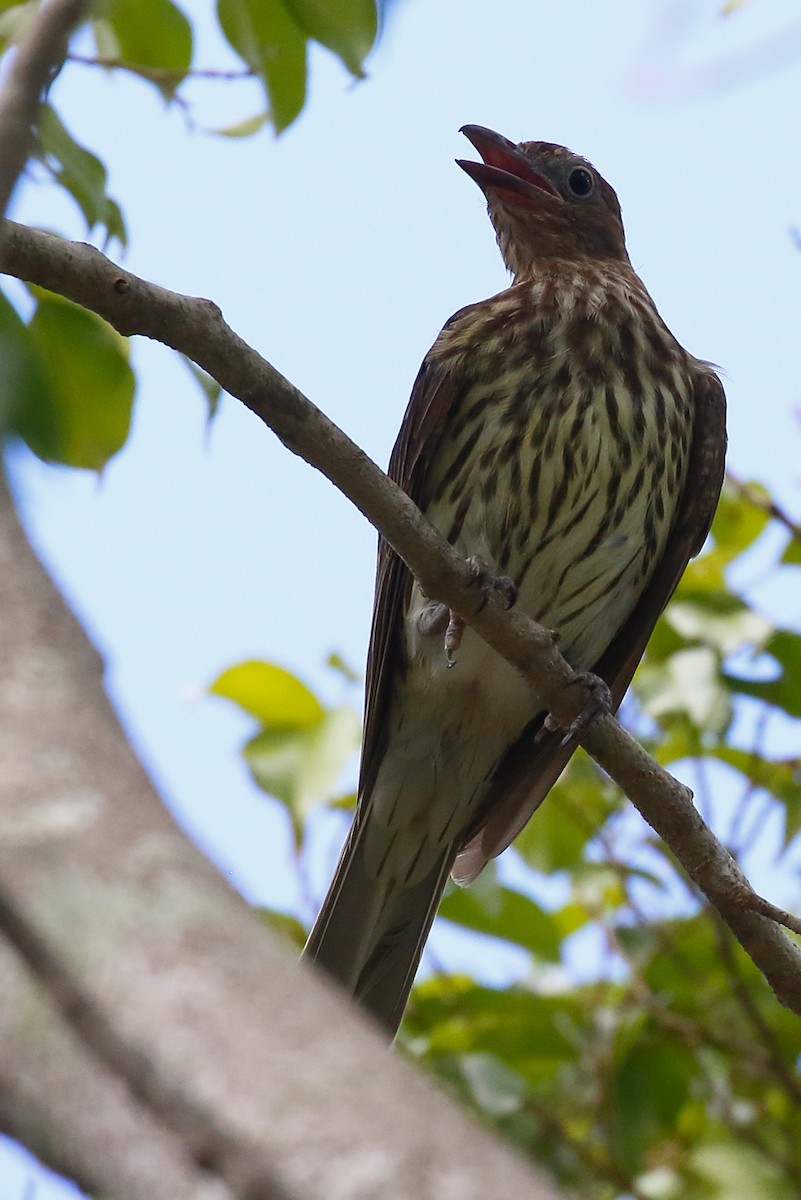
point(339, 251)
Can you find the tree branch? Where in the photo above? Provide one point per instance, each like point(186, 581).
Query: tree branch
point(39, 55)
point(196, 328)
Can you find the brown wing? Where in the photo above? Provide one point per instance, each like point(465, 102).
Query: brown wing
point(529, 769)
point(432, 396)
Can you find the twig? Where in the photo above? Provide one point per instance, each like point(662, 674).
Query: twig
point(774, 913)
point(168, 75)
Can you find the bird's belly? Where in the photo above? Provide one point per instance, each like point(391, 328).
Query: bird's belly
point(586, 596)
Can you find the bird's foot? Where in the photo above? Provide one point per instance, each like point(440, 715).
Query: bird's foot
point(484, 579)
point(440, 620)
point(453, 637)
point(598, 703)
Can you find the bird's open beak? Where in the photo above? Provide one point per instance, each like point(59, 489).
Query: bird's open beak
point(505, 171)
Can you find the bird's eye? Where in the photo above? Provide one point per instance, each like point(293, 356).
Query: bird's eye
point(580, 182)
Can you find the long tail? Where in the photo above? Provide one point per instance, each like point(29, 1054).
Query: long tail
point(370, 933)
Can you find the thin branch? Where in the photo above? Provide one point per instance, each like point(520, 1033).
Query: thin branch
point(163, 75)
point(774, 913)
point(35, 60)
point(196, 328)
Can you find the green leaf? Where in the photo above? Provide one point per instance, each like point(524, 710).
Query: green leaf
point(554, 838)
point(208, 386)
point(271, 694)
point(23, 382)
point(677, 739)
point(674, 955)
point(346, 803)
point(664, 641)
point(152, 36)
point(647, 1092)
point(298, 754)
point(244, 128)
point(738, 522)
point(81, 173)
point(737, 525)
point(529, 1032)
point(500, 912)
point(348, 27)
point(301, 767)
point(83, 416)
point(264, 34)
point(575, 808)
point(792, 552)
point(285, 925)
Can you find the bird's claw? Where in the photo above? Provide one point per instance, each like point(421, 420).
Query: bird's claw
point(483, 577)
point(453, 637)
point(598, 703)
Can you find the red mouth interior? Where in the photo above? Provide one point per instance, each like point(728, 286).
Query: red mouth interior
point(510, 162)
point(505, 172)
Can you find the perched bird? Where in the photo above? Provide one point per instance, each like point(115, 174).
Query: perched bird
point(559, 436)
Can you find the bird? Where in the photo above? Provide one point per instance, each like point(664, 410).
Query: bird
point(564, 443)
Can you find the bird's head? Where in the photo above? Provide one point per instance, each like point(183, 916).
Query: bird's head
point(545, 202)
